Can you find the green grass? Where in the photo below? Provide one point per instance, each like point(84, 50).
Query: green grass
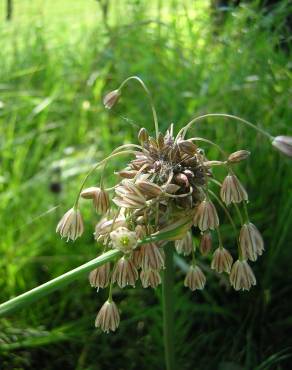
point(56, 63)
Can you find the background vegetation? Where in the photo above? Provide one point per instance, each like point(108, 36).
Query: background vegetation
point(58, 58)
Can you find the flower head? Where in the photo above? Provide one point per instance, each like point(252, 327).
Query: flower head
point(222, 260)
point(241, 276)
point(108, 317)
point(71, 225)
point(195, 278)
point(123, 239)
point(251, 242)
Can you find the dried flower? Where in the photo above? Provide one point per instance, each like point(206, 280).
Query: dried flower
point(152, 258)
point(238, 156)
point(195, 278)
point(232, 190)
point(71, 225)
point(100, 198)
point(206, 243)
point(111, 98)
point(123, 239)
point(251, 242)
point(150, 278)
point(99, 277)
point(185, 245)
point(283, 144)
point(125, 273)
point(108, 317)
point(222, 260)
point(241, 276)
point(206, 216)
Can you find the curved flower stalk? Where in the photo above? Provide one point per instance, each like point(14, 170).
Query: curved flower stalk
point(161, 194)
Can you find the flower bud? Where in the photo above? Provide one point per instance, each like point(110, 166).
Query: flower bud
point(143, 136)
point(206, 243)
point(111, 98)
point(127, 174)
point(148, 189)
point(238, 156)
point(187, 147)
point(100, 198)
point(283, 144)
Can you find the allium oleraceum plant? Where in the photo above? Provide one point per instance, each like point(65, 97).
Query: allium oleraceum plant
point(162, 193)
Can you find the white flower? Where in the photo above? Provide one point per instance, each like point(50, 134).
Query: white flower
point(242, 276)
point(222, 260)
point(123, 239)
point(71, 225)
point(108, 317)
point(251, 242)
point(195, 278)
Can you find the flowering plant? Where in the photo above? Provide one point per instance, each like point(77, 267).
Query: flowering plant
point(164, 192)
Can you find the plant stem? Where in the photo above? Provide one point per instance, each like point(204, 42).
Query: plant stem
point(168, 307)
point(142, 83)
point(57, 283)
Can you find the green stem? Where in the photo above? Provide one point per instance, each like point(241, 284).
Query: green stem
point(57, 283)
point(141, 82)
point(168, 307)
point(184, 130)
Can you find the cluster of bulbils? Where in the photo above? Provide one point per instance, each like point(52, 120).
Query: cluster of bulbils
point(166, 191)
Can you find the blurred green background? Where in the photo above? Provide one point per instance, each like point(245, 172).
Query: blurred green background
point(58, 58)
